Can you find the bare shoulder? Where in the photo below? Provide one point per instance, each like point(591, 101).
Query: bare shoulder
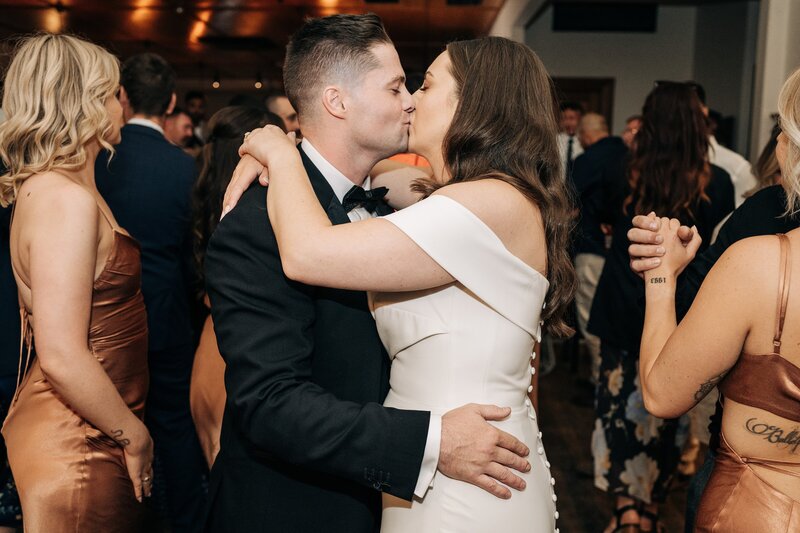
point(56, 202)
point(753, 261)
point(494, 201)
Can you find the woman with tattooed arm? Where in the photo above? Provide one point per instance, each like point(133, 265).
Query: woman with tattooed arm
point(753, 356)
point(80, 454)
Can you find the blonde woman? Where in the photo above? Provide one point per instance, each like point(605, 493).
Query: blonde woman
point(80, 454)
point(741, 334)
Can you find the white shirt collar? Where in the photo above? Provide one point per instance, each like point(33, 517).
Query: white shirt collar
point(338, 181)
point(147, 124)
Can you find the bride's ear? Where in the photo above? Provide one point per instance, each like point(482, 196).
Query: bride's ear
point(333, 101)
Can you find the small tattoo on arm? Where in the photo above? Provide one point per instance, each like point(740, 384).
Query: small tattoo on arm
point(117, 436)
point(658, 280)
point(706, 387)
point(775, 434)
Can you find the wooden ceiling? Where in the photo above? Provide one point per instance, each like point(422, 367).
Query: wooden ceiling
point(241, 39)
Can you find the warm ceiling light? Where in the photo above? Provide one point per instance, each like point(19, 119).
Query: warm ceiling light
point(199, 27)
point(52, 20)
point(258, 85)
point(215, 84)
point(143, 11)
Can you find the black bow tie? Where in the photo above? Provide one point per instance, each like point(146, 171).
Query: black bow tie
point(358, 197)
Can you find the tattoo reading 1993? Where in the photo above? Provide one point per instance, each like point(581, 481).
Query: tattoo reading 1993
point(658, 280)
point(774, 434)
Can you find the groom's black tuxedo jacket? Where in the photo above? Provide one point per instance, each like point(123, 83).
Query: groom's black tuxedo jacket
point(306, 445)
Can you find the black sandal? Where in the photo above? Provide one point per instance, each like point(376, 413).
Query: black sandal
point(654, 520)
point(627, 528)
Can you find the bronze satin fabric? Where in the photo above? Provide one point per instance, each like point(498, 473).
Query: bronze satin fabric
point(207, 393)
point(767, 382)
point(736, 499)
point(71, 477)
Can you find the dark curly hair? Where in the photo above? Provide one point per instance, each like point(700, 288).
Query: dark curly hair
point(218, 159)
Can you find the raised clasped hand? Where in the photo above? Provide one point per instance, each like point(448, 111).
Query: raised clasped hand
point(679, 248)
point(259, 147)
point(646, 243)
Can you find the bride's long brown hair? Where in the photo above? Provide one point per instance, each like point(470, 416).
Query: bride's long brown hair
point(505, 128)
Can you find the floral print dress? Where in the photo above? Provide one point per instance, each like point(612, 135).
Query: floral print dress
point(635, 453)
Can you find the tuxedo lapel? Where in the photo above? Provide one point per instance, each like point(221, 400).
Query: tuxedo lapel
point(327, 198)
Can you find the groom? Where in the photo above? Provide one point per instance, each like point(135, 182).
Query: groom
point(306, 445)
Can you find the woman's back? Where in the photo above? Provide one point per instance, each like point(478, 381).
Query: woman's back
point(51, 486)
point(761, 393)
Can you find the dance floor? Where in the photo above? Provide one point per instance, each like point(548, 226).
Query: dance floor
point(567, 431)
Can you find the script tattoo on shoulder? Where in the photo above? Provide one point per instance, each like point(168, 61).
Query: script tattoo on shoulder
point(789, 439)
point(707, 387)
point(117, 436)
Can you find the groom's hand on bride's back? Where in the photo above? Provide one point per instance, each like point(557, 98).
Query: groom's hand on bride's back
point(475, 451)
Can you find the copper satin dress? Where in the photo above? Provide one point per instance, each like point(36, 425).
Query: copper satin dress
point(70, 475)
point(736, 498)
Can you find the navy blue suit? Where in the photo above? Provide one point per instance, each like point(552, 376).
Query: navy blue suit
point(148, 185)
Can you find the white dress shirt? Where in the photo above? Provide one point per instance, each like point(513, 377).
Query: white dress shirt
point(147, 124)
point(341, 185)
point(734, 164)
point(563, 147)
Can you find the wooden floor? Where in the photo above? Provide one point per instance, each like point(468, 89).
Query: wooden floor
point(567, 430)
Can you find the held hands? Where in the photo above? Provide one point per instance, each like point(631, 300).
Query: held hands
point(261, 148)
point(475, 451)
point(678, 252)
point(138, 450)
point(647, 243)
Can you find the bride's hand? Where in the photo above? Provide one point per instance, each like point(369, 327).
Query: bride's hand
point(268, 144)
point(245, 173)
point(260, 147)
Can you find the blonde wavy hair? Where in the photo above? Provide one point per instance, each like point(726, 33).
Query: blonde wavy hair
point(54, 100)
point(789, 111)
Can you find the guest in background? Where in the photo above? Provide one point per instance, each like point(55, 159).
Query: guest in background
point(740, 333)
point(281, 106)
point(148, 186)
point(632, 125)
point(219, 158)
point(767, 170)
point(568, 145)
point(635, 453)
point(80, 453)
point(195, 103)
point(599, 185)
point(734, 164)
point(178, 128)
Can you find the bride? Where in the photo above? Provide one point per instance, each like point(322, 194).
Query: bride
point(461, 281)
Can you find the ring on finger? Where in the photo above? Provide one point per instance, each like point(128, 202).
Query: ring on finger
point(246, 134)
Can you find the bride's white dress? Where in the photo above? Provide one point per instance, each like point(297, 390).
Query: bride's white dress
point(468, 342)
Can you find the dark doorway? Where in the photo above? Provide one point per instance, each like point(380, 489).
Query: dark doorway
point(594, 94)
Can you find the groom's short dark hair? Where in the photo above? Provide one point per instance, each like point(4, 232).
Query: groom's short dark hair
point(327, 49)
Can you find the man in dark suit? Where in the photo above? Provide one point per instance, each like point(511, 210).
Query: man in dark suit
point(598, 181)
point(147, 185)
point(306, 445)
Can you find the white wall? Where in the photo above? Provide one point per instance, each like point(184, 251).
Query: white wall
point(724, 60)
point(778, 55)
point(634, 60)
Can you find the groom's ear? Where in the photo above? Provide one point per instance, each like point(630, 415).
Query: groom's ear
point(333, 101)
